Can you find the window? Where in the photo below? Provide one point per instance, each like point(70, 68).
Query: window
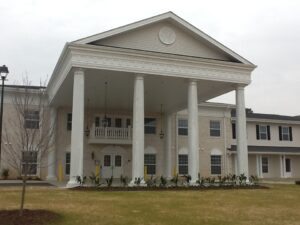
point(263, 132)
point(68, 163)
point(32, 119)
point(150, 126)
point(150, 163)
point(182, 127)
point(285, 134)
point(29, 162)
point(215, 128)
point(128, 123)
point(69, 121)
point(118, 161)
point(215, 162)
point(183, 167)
point(233, 131)
point(118, 122)
point(107, 161)
point(97, 121)
point(265, 164)
point(108, 122)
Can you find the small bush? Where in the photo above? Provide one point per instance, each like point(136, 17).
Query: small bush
point(109, 181)
point(5, 174)
point(297, 182)
point(80, 180)
point(137, 181)
point(124, 180)
point(163, 181)
point(175, 180)
point(151, 182)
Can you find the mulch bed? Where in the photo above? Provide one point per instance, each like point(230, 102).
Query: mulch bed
point(30, 217)
point(179, 188)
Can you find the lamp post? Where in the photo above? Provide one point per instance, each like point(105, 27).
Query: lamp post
point(3, 72)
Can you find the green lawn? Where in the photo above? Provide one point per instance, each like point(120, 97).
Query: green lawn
point(278, 205)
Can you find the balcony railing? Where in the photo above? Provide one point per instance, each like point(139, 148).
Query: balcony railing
point(119, 133)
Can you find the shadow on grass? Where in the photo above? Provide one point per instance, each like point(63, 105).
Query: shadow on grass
point(32, 217)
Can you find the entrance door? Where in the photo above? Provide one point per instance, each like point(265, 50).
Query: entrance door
point(288, 167)
point(112, 165)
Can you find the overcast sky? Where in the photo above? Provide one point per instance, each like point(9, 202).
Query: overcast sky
point(33, 33)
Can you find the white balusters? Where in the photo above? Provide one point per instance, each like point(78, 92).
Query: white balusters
point(113, 132)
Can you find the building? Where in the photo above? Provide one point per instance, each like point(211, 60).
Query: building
point(116, 99)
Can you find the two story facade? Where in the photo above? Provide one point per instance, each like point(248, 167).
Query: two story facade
point(132, 101)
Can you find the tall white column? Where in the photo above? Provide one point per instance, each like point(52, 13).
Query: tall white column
point(77, 135)
point(138, 130)
point(193, 131)
point(168, 147)
point(241, 137)
point(52, 151)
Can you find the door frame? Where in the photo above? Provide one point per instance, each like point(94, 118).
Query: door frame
point(112, 151)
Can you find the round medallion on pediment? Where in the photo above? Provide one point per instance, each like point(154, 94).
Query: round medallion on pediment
point(167, 35)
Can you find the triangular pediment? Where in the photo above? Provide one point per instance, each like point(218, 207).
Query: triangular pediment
point(165, 33)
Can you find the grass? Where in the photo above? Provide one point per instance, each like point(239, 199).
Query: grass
point(278, 205)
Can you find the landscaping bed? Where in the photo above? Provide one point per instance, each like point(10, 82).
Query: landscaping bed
point(171, 188)
point(29, 217)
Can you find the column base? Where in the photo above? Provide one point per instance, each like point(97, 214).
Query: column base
point(72, 184)
point(193, 183)
point(133, 184)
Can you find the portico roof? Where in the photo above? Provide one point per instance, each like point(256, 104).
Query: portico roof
point(148, 47)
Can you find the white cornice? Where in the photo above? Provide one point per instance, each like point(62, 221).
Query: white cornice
point(143, 62)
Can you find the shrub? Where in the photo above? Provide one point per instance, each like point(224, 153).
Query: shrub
point(95, 179)
point(163, 181)
point(242, 179)
point(175, 180)
point(5, 173)
point(297, 182)
point(151, 182)
point(124, 180)
point(109, 181)
point(80, 180)
point(253, 180)
point(137, 181)
point(201, 180)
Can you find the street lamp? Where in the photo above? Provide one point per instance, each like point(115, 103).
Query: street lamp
point(3, 72)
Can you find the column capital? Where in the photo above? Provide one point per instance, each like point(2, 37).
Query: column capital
point(192, 81)
point(240, 87)
point(79, 71)
point(139, 76)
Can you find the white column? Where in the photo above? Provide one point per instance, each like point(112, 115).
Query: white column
point(242, 147)
point(138, 130)
point(52, 151)
point(258, 166)
point(281, 166)
point(77, 135)
point(193, 131)
point(168, 147)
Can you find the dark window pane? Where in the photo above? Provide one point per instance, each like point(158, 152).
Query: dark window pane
point(215, 128)
point(107, 160)
point(265, 164)
point(183, 164)
point(68, 163)
point(183, 127)
point(118, 122)
point(150, 126)
point(215, 161)
point(287, 165)
point(128, 122)
point(97, 121)
point(150, 163)
point(69, 121)
point(118, 161)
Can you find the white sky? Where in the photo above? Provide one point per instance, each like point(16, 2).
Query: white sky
point(33, 33)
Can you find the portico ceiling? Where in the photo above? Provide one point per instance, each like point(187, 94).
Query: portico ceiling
point(171, 92)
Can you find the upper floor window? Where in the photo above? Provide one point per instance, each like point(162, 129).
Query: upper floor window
point(118, 122)
point(32, 119)
point(128, 122)
point(215, 128)
point(285, 133)
point(182, 127)
point(263, 132)
point(233, 131)
point(69, 121)
point(150, 126)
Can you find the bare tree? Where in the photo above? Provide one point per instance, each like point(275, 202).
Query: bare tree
point(28, 133)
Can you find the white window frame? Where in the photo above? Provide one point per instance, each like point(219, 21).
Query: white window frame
point(219, 164)
point(262, 133)
point(285, 133)
point(32, 119)
point(182, 127)
point(264, 164)
point(34, 163)
point(183, 164)
point(146, 164)
point(214, 129)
